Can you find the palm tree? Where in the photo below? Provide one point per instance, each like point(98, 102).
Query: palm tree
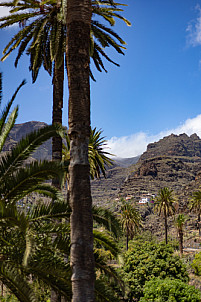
point(44, 37)
point(164, 206)
point(130, 219)
point(78, 20)
point(195, 205)
point(179, 222)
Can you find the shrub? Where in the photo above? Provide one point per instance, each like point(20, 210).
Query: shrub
point(146, 260)
point(196, 264)
point(169, 290)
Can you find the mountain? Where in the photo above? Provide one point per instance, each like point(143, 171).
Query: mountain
point(174, 162)
point(125, 162)
point(174, 145)
point(21, 130)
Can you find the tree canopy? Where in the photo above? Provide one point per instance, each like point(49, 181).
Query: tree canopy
point(145, 260)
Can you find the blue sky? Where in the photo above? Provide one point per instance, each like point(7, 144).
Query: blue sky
point(155, 91)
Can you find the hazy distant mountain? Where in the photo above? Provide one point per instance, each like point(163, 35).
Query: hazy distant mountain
point(21, 130)
point(126, 162)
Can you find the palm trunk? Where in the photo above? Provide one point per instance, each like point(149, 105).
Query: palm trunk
point(58, 79)
point(166, 236)
point(127, 239)
point(181, 242)
point(199, 226)
point(81, 256)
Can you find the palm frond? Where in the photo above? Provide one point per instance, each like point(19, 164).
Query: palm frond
point(6, 110)
point(26, 180)
point(104, 292)
point(26, 147)
point(57, 209)
point(106, 218)
point(101, 239)
point(17, 283)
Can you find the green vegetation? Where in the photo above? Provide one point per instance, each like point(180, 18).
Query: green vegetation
point(169, 290)
point(196, 264)
point(145, 260)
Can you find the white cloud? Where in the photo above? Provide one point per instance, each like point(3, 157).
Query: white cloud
point(194, 29)
point(4, 11)
point(135, 144)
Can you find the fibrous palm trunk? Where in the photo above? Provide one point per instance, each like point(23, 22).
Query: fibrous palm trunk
point(127, 238)
point(58, 79)
point(81, 257)
point(166, 228)
point(199, 224)
point(181, 241)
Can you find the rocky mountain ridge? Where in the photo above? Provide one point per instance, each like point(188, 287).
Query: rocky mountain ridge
point(174, 161)
point(21, 130)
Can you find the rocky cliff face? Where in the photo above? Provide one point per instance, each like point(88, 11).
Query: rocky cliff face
point(174, 162)
point(174, 145)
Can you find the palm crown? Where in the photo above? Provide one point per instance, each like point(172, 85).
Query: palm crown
point(43, 32)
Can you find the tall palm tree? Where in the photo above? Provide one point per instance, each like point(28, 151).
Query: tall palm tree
point(195, 205)
point(164, 206)
point(78, 20)
point(179, 222)
point(130, 219)
point(43, 35)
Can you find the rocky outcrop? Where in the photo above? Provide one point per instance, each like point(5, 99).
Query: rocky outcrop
point(174, 145)
point(174, 162)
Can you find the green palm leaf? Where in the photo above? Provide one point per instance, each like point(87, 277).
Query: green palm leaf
point(17, 283)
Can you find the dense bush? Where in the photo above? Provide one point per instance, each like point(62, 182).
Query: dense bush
point(146, 260)
point(197, 264)
point(169, 290)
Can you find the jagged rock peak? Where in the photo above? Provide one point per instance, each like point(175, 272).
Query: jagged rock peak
point(174, 145)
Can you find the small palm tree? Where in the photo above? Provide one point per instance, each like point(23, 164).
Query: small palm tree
point(179, 222)
point(195, 205)
point(164, 206)
point(130, 219)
